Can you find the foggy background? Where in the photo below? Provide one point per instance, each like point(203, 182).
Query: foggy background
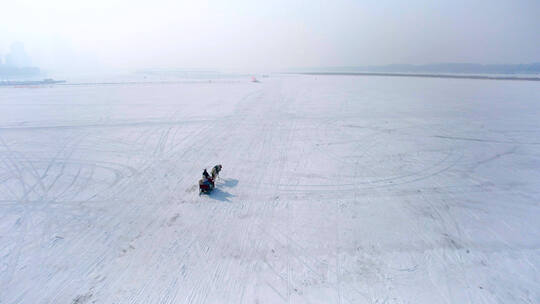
point(103, 35)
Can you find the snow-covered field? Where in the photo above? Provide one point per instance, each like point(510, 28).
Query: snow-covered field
point(334, 189)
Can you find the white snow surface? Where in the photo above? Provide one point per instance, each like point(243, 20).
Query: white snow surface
point(334, 189)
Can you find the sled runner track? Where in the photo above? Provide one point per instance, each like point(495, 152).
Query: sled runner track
point(312, 264)
point(104, 125)
point(445, 164)
point(22, 163)
point(118, 170)
point(369, 141)
point(269, 141)
point(486, 140)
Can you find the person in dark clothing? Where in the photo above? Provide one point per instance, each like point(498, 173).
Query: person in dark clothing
point(207, 179)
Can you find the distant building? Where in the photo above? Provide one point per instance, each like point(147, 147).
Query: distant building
point(17, 63)
point(17, 57)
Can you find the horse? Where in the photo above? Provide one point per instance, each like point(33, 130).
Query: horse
point(215, 171)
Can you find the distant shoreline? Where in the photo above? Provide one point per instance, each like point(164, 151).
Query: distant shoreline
point(422, 75)
point(47, 81)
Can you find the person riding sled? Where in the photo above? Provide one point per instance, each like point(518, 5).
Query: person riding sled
point(207, 179)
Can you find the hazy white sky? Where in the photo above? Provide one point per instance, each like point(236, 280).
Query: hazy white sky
point(269, 34)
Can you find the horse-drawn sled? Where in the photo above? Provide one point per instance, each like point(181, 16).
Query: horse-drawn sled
point(207, 183)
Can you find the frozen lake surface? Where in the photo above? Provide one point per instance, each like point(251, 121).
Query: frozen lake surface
point(334, 189)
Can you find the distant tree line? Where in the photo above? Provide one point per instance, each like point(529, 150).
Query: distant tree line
point(465, 68)
point(436, 68)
